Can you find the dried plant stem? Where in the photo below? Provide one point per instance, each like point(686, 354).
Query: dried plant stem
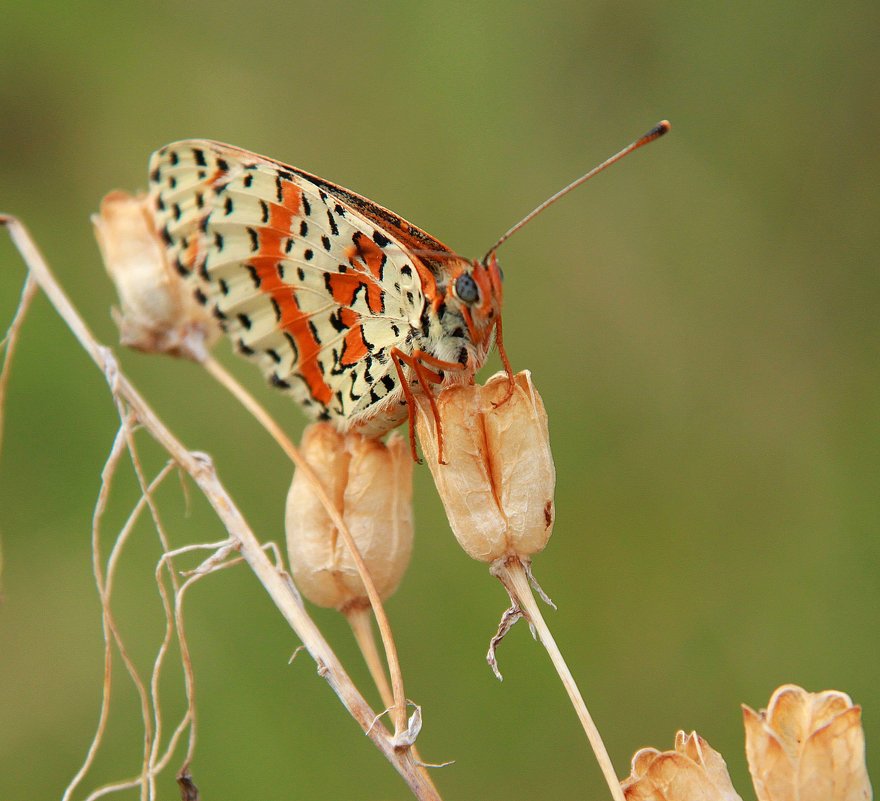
point(200, 468)
point(361, 623)
point(512, 574)
point(398, 703)
point(9, 341)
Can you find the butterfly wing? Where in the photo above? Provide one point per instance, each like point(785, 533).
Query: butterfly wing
point(314, 282)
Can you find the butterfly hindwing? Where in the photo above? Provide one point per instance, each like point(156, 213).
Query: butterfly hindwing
point(315, 283)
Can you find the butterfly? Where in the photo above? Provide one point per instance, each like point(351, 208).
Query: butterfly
point(342, 303)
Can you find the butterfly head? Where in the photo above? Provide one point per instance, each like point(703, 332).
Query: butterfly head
point(475, 291)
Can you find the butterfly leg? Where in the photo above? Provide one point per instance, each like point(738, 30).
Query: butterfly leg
point(499, 343)
point(420, 363)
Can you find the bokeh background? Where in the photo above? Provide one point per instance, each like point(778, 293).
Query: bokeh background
point(702, 322)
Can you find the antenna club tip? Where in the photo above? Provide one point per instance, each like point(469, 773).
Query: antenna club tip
point(659, 129)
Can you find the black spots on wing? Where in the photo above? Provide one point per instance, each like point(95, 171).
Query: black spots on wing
point(199, 156)
point(181, 267)
point(307, 208)
point(222, 165)
point(285, 175)
point(301, 273)
point(303, 228)
point(201, 297)
point(395, 330)
point(339, 209)
point(323, 195)
point(160, 204)
point(292, 343)
point(334, 228)
point(462, 357)
point(279, 189)
point(336, 321)
point(396, 287)
point(425, 320)
point(203, 224)
point(172, 182)
point(255, 276)
point(324, 416)
point(273, 355)
point(264, 212)
point(368, 364)
point(228, 206)
point(314, 331)
point(388, 382)
point(325, 241)
point(247, 180)
point(277, 381)
point(218, 313)
point(201, 175)
point(343, 268)
point(308, 255)
point(244, 348)
point(245, 321)
point(406, 270)
point(380, 239)
point(288, 246)
point(374, 398)
point(156, 175)
point(173, 158)
point(218, 240)
point(200, 200)
point(166, 237)
point(255, 239)
point(457, 332)
point(277, 309)
point(224, 286)
point(203, 269)
point(279, 268)
point(410, 298)
point(175, 211)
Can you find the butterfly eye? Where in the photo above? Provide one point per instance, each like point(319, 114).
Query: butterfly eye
point(465, 288)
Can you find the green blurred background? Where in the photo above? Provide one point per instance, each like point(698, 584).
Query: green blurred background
point(702, 322)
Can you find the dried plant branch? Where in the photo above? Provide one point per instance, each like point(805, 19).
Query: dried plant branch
point(200, 468)
point(516, 579)
point(398, 701)
point(10, 340)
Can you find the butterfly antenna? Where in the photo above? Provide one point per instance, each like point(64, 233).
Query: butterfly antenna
point(655, 133)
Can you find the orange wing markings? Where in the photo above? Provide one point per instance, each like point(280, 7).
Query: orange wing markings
point(293, 320)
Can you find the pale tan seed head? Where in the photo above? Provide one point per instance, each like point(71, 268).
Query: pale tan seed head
point(158, 312)
point(370, 484)
point(498, 479)
point(807, 747)
point(692, 771)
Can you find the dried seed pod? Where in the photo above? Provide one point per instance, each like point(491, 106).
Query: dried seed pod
point(807, 746)
point(694, 771)
point(370, 484)
point(158, 310)
point(498, 478)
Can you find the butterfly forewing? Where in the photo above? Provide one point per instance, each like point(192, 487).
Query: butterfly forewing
point(314, 282)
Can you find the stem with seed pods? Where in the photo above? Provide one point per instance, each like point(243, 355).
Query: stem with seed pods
point(202, 472)
point(512, 574)
point(250, 403)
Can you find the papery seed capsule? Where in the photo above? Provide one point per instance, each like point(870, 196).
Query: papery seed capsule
point(693, 771)
point(808, 746)
point(370, 484)
point(158, 311)
point(498, 479)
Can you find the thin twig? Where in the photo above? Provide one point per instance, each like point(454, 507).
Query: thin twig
point(10, 340)
point(202, 471)
point(398, 706)
point(513, 575)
